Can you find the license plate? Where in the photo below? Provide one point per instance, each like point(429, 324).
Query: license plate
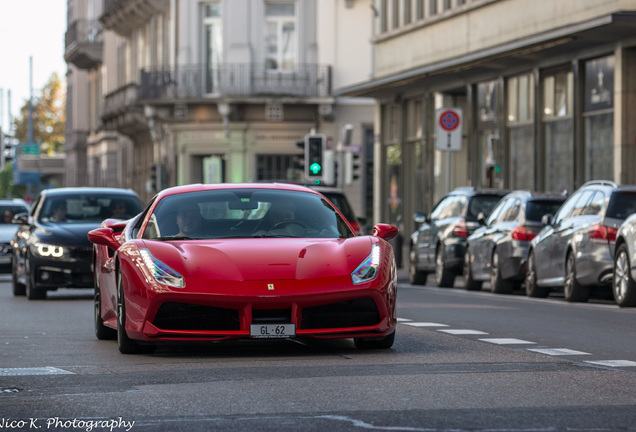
point(272, 330)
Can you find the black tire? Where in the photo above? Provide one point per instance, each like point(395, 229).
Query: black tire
point(532, 289)
point(443, 277)
point(623, 286)
point(416, 277)
point(498, 284)
point(31, 292)
point(18, 288)
point(126, 344)
point(469, 282)
point(101, 331)
point(384, 342)
point(572, 289)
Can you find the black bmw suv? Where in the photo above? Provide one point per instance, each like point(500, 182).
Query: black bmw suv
point(439, 244)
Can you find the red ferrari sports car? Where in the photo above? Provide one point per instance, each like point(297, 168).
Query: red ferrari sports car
point(212, 262)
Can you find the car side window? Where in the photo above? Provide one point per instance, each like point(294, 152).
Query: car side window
point(451, 207)
point(581, 203)
point(441, 209)
point(494, 215)
point(595, 205)
point(567, 207)
point(511, 212)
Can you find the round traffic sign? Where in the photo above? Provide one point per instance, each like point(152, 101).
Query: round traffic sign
point(449, 120)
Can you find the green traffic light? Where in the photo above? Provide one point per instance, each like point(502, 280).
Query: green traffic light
point(315, 168)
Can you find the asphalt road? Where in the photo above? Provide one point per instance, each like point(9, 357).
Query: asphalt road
point(462, 361)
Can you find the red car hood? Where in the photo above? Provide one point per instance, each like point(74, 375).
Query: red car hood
point(263, 259)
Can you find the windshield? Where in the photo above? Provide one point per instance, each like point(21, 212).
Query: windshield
point(85, 208)
point(8, 211)
point(244, 213)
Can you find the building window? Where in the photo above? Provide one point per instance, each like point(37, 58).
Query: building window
point(277, 167)
point(520, 106)
point(432, 10)
point(599, 118)
point(446, 4)
point(395, 14)
point(213, 45)
point(558, 130)
point(281, 50)
point(384, 16)
point(407, 12)
point(419, 9)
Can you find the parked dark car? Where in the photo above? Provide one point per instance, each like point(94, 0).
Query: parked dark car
point(8, 209)
point(624, 280)
point(440, 242)
point(498, 250)
point(575, 251)
point(51, 249)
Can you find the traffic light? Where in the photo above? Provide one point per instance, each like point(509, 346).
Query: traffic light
point(351, 167)
point(314, 157)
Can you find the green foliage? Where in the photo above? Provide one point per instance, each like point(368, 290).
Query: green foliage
point(49, 117)
point(7, 188)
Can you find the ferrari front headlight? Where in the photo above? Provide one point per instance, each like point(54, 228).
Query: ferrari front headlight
point(161, 271)
point(47, 250)
point(368, 269)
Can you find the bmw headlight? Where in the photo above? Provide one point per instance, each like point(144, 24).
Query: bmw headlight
point(47, 250)
point(161, 271)
point(368, 269)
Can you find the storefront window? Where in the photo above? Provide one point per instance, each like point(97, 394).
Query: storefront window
point(599, 119)
point(520, 96)
point(558, 133)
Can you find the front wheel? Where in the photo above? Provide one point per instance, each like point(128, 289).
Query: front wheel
point(623, 286)
point(31, 292)
point(469, 282)
point(384, 342)
point(498, 284)
point(18, 288)
point(101, 331)
point(443, 277)
point(126, 344)
point(572, 289)
point(532, 288)
point(416, 277)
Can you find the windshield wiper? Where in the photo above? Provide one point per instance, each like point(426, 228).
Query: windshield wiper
point(174, 237)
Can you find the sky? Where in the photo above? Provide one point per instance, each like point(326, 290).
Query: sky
point(29, 28)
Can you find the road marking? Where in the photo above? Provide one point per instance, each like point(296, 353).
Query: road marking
point(557, 351)
point(403, 319)
point(613, 363)
point(507, 341)
point(48, 370)
point(425, 324)
point(462, 332)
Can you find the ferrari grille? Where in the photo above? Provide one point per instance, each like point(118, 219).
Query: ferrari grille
point(353, 313)
point(184, 316)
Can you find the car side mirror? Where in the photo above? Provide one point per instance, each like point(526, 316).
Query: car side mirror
point(385, 231)
point(104, 237)
point(20, 219)
point(420, 218)
point(546, 219)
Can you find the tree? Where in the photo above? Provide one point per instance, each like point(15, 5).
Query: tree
point(7, 188)
point(49, 117)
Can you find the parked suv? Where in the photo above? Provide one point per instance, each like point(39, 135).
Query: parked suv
point(575, 250)
point(440, 242)
point(624, 280)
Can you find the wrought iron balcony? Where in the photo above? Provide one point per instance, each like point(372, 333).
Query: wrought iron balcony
point(234, 80)
point(83, 47)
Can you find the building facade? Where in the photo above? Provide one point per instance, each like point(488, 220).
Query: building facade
point(191, 91)
point(543, 87)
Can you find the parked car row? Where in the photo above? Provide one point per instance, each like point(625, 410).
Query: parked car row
point(543, 242)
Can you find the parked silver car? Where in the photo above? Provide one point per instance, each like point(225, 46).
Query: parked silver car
point(575, 251)
point(498, 250)
point(624, 281)
point(8, 209)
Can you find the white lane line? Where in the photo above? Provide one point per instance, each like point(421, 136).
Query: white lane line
point(462, 332)
point(425, 324)
point(613, 363)
point(557, 351)
point(507, 341)
point(48, 370)
point(403, 319)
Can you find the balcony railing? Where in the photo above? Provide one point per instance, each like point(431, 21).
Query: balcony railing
point(82, 46)
point(235, 80)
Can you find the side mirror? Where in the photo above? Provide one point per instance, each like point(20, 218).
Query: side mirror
point(546, 219)
point(104, 237)
point(385, 231)
point(419, 218)
point(20, 219)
